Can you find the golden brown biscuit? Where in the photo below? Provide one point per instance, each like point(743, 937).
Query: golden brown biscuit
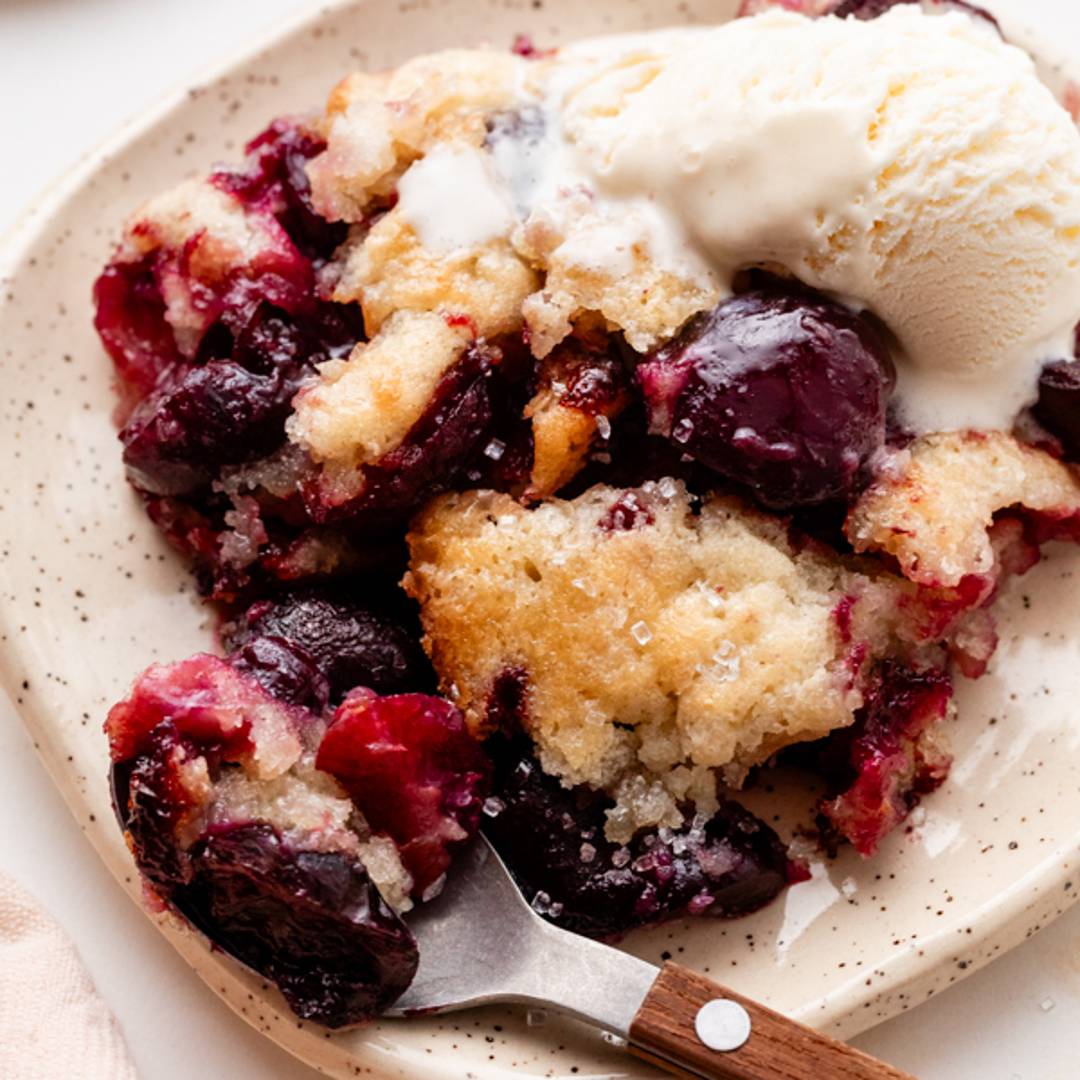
point(933, 505)
point(653, 640)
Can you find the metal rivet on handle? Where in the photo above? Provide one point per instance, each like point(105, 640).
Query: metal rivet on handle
point(722, 1025)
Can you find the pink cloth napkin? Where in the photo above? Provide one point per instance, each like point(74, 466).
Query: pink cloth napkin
point(53, 1024)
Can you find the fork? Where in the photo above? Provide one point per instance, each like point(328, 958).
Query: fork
point(481, 943)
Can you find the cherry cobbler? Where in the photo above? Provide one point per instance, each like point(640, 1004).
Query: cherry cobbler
point(565, 437)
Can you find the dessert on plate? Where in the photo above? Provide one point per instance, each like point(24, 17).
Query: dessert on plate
point(563, 438)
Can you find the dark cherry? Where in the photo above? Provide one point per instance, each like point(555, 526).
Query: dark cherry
point(632, 457)
point(456, 424)
point(871, 9)
point(129, 316)
point(150, 802)
point(351, 644)
point(879, 768)
point(310, 921)
point(1058, 407)
point(507, 706)
point(324, 331)
point(781, 391)
point(203, 418)
point(270, 341)
point(592, 380)
point(202, 697)
point(502, 459)
point(130, 309)
point(274, 178)
point(295, 553)
point(591, 374)
point(283, 670)
point(552, 840)
point(509, 469)
point(196, 533)
point(414, 771)
point(232, 407)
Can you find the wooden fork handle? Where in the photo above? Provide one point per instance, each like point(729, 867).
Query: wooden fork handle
point(684, 1012)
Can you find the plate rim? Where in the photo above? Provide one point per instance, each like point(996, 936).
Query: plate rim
point(1008, 920)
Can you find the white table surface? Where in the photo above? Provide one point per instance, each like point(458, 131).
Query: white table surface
point(70, 72)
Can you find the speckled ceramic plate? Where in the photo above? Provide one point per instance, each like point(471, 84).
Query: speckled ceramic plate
point(91, 595)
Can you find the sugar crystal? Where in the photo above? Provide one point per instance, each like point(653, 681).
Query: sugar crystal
point(683, 430)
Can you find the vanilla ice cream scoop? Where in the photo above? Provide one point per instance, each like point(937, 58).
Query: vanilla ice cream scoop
point(913, 165)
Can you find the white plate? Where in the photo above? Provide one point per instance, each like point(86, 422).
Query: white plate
point(91, 595)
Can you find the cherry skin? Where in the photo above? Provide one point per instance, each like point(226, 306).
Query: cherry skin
point(1058, 407)
point(780, 391)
